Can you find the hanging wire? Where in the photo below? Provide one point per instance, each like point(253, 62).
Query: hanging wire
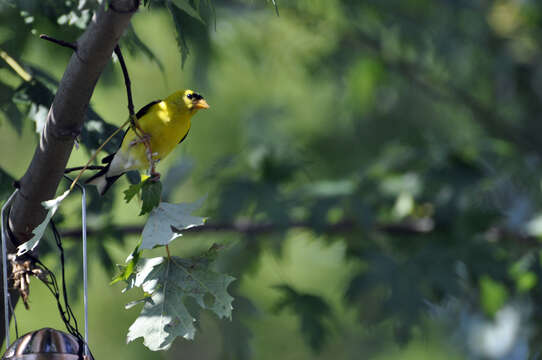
point(5, 267)
point(85, 262)
point(66, 312)
point(14, 317)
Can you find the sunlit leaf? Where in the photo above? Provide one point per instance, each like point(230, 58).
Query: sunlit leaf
point(169, 283)
point(79, 18)
point(51, 206)
point(126, 271)
point(493, 295)
point(166, 222)
point(96, 130)
point(38, 97)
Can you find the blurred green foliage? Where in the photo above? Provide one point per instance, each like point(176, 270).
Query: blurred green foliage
point(372, 169)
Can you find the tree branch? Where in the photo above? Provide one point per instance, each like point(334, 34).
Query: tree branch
point(410, 227)
point(65, 118)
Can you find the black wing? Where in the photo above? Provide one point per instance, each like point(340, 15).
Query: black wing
point(184, 137)
point(145, 109)
point(108, 158)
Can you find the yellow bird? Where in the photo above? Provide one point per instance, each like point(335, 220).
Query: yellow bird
point(165, 124)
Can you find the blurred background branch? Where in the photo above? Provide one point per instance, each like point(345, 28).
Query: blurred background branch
point(413, 227)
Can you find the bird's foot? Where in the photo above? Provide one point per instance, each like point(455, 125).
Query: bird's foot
point(154, 177)
point(144, 138)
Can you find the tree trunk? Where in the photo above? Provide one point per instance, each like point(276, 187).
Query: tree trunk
point(65, 120)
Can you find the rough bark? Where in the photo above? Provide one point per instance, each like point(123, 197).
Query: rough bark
point(65, 119)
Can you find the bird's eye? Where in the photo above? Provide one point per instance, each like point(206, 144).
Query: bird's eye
point(189, 96)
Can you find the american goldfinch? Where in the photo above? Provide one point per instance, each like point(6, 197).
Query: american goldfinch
point(165, 123)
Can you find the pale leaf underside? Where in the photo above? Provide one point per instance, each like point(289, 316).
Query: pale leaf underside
point(170, 282)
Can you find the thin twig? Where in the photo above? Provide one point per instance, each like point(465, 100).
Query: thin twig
point(143, 137)
point(15, 66)
point(127, 81)
point(63, 43)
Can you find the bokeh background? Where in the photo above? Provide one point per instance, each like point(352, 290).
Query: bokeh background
point(374, 166)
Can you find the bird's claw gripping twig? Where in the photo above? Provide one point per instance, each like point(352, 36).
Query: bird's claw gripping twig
point(155, 176)
point(145, 139)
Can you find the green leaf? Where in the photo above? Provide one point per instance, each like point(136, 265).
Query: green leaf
point(237, 336)
point(176, 14)
point(127, 271)
point(311, 309)
point(151, 192)
point(14, 116)
point(132, 191)
point(493, 295)
point(526, 281)
point(6, 184)
point(167, 221)
point(38, 94)
point(169, 283)
point(96, 130)
point(8, 107)
point(39, 97)
point(51, 206)
point(79, 18)
point(134, 44)
point(185, 6)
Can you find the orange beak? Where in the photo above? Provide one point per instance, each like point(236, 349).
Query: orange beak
point(201, 104)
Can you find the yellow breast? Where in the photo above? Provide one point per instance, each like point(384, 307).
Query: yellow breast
point(166, 125)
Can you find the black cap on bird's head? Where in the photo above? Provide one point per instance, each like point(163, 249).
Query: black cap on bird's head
point(195, 101)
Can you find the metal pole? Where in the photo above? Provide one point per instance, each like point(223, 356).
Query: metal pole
point(85, 262)
point(5, 267)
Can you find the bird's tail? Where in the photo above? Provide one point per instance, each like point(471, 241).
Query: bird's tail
point(101, 180)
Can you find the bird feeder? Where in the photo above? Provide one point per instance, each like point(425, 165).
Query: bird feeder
point(46, 344)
